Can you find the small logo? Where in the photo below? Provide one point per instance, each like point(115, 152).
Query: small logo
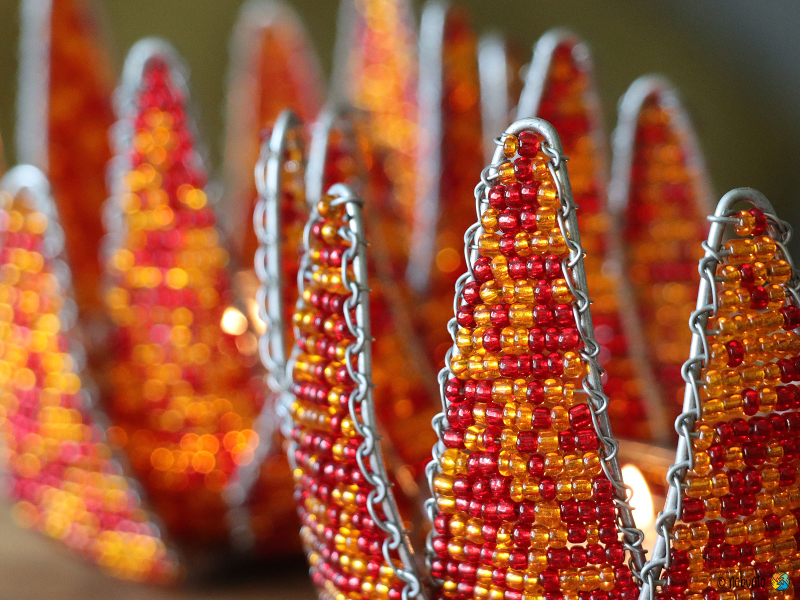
point(780, 582)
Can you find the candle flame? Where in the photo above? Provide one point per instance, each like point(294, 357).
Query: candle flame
point(233, 321)
point(642, 501)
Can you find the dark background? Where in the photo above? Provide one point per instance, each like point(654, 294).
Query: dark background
point(736, 63)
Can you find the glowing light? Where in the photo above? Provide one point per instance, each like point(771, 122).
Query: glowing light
point(233, 321)
point(258, 324)
point(642, 501)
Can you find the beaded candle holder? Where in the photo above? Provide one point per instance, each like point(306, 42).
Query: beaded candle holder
point(730, 521)
point(528, 497)
point(63, 117)
point(60, 469)
point(657, 195)
point(183, 392)
point(352, 529)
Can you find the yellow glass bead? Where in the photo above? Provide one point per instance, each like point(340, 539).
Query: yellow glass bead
point(744, 223)
point(546, 218)
point(489, 244)
point(681, 537)
point(741, 251)
point(547, 514)
point(506, 172)
point(489, 220)
point(765, 248)
point(547, 195)
point(510, 145)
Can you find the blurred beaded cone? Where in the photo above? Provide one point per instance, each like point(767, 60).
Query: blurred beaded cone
point(375, 71)
point(524, 454)
point(735, 496)
point(273, 68)
point(658, 196)
point(61, 472)
point(181, 389)
point(560, 88)
point(64, 115)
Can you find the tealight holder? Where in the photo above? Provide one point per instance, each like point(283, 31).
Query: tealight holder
point(500, 409)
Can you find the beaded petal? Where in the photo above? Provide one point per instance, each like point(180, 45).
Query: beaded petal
point(183, 386)
point(658, 194)
point(522, 503)
point(66, 80)
point(61, 472)
point(735, 491)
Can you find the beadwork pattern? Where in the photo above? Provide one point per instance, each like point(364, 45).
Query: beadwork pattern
point(659, 193)
point(523, 505)
point(560, 89)
point(60, 472)
point(184, 395)
point(351, 528)
point(739, 497)
point(273, 67)
point(66, 82)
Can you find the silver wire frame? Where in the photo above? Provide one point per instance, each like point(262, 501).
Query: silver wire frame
point(33, 95)
point(256, 17)
point(624, 141)
point(707, 306)
point(575, 276)
point(431, 141)
point(369, 456)
point(272, 344)
point(30, 179)
point(495, 89)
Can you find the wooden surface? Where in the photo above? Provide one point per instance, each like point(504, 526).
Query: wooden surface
point(34, 568)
